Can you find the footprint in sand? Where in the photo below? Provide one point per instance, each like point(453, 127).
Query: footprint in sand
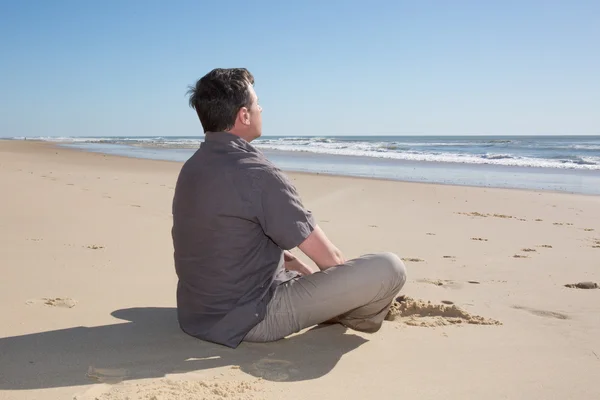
point(175, 388)
point(588, 229)
point(430, 234)
point(473, 214)
point(62, 302)
point(422, 313)
point(437, 282)
point(446, 283)
point(274, 370)
point(451, 257)
point(409, 259)
point(95, 247)
point(495, 215)
point(520, 256)
point(107, 375)
point(545, 246)
point(583, 285)
point(479, 239)
point(542, 313)
point(503, 216)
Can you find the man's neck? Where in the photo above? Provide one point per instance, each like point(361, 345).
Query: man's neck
point(241, 135)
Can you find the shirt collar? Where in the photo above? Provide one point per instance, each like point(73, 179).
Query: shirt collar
point(228, 138)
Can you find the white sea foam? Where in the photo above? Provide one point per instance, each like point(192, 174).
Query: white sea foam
point(385, 150)
point(583, 155)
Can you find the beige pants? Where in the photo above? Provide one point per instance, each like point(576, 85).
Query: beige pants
point(357, 295)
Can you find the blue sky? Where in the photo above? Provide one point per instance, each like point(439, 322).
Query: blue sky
point(108, 68)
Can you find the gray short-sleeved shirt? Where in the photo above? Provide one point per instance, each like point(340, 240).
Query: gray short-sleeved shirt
point(234, 213)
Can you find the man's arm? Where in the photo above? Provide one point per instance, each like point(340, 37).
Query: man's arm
point(319, 248)
point(284, 219)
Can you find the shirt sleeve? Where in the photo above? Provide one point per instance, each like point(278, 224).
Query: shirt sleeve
point(281, 213)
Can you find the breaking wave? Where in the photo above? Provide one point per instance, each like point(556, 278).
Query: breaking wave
point(532, 152)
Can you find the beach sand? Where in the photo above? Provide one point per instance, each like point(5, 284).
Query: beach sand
point(87, 293)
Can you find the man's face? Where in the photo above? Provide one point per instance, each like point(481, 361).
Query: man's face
point(255, 111)
point(248, 124)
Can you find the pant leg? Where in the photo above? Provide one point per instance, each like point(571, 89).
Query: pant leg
point(358, 293)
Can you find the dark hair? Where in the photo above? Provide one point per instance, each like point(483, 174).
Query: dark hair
point(218, 96)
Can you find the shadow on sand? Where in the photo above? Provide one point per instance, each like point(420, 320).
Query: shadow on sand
point(151, 345)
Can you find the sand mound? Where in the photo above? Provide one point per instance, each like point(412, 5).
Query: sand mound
point(421, 313)
point(171, 389)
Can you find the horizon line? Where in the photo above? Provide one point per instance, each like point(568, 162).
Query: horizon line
point(313, 135)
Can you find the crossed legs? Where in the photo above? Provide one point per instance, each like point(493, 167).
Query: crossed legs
point(356, 294)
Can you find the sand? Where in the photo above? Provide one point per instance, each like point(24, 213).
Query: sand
point(416, 312)
point(176, 389)
point(87, 293)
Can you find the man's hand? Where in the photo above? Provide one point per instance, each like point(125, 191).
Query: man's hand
point(294, 264)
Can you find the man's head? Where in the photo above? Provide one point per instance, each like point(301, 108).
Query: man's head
point(224, 100)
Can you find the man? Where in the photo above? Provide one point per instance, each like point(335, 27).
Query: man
point(235, 218)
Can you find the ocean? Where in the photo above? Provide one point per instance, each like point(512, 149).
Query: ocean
point(557, 163)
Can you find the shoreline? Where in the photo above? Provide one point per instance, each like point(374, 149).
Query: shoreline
point(558, 152)
point(70, 147)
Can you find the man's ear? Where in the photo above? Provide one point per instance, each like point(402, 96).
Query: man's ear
point(244, 116)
